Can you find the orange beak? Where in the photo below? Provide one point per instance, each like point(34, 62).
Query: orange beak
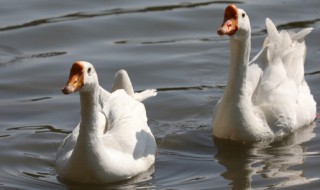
point(230, 21)
point(76, 79)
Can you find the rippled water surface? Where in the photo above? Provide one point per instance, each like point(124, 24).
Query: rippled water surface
point(168, 45)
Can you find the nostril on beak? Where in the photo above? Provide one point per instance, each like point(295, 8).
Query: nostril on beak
point(67, 90)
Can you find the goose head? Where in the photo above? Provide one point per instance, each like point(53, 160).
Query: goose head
point(83, 78)
point(235, 24)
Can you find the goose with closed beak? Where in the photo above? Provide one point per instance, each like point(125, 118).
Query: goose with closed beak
point(267, 98)
point(113, 141)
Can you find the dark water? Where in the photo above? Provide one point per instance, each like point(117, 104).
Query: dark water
point(168, 45)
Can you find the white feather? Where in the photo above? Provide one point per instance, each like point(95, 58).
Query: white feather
point(268, 97)
point(113, 141)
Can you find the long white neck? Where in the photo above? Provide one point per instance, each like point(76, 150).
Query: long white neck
point(89, 148)
point(92, 125)
point(91, 113)
point(240, 52)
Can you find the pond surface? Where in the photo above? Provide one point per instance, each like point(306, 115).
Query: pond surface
point(170, 45)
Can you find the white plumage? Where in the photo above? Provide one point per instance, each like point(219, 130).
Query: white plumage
point(112, 141)
point(267, 98)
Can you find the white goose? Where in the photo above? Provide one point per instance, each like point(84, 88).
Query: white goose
point(112, 141)
point(265, 99)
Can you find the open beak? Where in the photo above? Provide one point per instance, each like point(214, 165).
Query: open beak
point(76, 79)
point(230, 22)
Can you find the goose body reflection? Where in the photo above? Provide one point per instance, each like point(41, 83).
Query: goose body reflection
point(274, 163)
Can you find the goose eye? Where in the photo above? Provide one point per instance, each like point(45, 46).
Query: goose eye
point(89, 70)
point(243, 15)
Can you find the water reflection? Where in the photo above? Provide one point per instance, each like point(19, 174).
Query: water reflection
point(270, 165)
point(141, 181)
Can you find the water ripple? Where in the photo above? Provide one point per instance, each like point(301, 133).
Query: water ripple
point(183, 88)
point(12, 101)
point(108, 12)
point(170, 41)
point(201, 87)
point(9, 55)
point(40, 129)
point(313, 73)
